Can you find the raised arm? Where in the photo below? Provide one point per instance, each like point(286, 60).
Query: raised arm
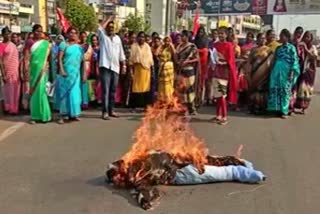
point(104, 24)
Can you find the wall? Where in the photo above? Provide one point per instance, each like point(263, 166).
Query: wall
point(158, 16)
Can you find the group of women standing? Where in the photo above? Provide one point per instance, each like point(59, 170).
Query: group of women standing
point(280, 74)
point(60, 75)
point(158, 70)
point(275, 76)
point(266, 74)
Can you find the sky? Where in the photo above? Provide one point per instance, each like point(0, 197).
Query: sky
point(308, 22)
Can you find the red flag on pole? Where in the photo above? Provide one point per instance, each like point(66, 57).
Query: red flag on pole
point(64, 22)
point(196, 21)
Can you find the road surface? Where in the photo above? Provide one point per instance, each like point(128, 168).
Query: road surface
point(50, 169)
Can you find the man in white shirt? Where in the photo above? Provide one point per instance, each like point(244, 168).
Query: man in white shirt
point(111, 56)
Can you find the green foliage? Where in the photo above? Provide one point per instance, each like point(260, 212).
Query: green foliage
point(136, 24)
point(81, 15)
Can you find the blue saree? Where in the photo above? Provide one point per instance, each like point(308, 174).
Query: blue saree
point(283, 76)
point(69, 86)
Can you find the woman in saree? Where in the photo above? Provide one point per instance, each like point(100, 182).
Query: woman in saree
point(70, 61)
point(177, 40)
point(132, 38)
point(271, 40)
point(233, 39)
point(93, 83)
point(38, 69)
point(54, 71)
point(9, 65)
point(155, 48)
point(243, 68)
point(25, 69)
point(283, 77)
point(296, 40)
point(141, 63)
point(260, 62)
point(224, 77)
point(202, 43)
point(187, 61)
point(166, 71)
point(87, 50)
point(306, 80)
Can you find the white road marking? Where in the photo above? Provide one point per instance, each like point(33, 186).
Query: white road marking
point(12, 129)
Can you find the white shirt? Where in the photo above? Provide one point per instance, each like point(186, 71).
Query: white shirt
point(111, 51)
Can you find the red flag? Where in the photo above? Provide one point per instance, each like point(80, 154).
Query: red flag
point(196, 22)
point(64, 22)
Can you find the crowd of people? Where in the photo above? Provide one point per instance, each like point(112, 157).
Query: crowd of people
point(78, 71)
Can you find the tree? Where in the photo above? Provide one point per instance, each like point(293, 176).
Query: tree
point(81, 15)
point(136, 23)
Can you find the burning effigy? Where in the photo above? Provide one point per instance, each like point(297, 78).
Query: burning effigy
point(165, 151)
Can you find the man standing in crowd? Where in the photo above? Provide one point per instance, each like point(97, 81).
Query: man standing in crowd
point(111, 55)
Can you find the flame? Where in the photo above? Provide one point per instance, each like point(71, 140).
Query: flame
point(164, 129)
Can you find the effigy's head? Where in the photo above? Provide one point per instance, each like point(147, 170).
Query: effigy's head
point(116, 174)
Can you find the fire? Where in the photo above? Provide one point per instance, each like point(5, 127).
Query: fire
point(164, 129)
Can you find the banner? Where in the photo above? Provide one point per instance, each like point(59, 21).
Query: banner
point(226, 6)
point(211, 6)
point(278, 7)
point(259, 7)
point(235, 6)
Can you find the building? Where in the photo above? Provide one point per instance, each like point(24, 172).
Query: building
point(162, 15)
point(9, 12)
point(241, 24)
point(26, 11)
point(39, 15)
point(52, 16)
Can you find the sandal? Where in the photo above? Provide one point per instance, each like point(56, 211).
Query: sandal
point(61, 121)
point(32, 122)
point(223, 122)
point(215, 120)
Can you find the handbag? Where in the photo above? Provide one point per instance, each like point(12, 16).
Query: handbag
point(50, 88)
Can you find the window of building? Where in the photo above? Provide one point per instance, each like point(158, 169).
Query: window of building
point(51, 21)
point(51, 8)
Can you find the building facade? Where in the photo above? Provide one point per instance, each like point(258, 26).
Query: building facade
point(9, 12)
point(39, 15)
point(26, 11)
point(52, 17)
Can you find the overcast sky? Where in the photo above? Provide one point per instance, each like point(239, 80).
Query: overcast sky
point(308, 22)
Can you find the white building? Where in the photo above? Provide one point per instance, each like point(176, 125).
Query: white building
point(162, 15)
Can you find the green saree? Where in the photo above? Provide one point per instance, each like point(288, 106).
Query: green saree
point(39, 103)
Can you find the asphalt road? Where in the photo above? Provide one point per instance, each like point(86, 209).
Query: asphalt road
point(50, 169)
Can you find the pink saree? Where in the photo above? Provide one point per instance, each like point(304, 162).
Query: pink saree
point(11, 89)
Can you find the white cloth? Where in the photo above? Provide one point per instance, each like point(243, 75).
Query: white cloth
point(244, 174)
point(111, 51)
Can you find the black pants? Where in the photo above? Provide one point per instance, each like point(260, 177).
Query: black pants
point(109, 81)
